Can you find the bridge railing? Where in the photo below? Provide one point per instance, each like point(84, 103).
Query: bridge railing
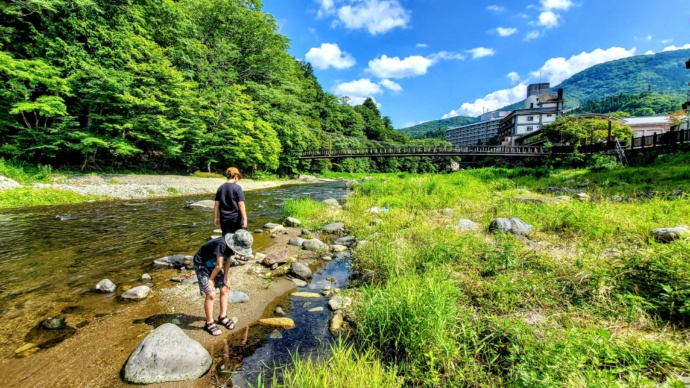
point(665, 139)
point(425, 150)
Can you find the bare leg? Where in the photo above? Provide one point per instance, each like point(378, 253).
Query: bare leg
point(224, 291)
point(208, 306)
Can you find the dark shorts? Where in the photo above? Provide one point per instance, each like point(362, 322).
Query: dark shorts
point(203, 273)
point(231, 226)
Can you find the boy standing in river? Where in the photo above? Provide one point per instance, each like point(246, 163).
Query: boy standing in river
point(211, 264)
point(229, 211)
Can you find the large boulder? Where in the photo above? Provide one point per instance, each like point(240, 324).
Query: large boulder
point(276, 258)
point(335, 227)
point(314, 245)
point(291, 221)
point(106, 286)
point(515, 226)
point(296, 241)
point(166, 354)
point(667, 235)
point(137, 293)
point(300, 271)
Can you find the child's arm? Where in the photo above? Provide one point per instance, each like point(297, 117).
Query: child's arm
point(215, 272)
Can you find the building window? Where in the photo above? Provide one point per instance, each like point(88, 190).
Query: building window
point(548, 115)
point(529, 129)
point(530, 118)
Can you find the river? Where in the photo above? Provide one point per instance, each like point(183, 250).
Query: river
point(52, 257)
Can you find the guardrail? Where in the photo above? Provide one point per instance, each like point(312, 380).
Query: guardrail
point(524, 151)
point(661, 140)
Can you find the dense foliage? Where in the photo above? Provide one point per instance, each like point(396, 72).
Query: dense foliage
point(132, 84)
point(626, 105)
point(576, 130)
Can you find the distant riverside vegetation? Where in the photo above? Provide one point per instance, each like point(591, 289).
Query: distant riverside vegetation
point(642, 85)
point(171, 86)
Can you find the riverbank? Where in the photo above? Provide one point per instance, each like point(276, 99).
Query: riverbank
point(69, 189)
point(96, 353)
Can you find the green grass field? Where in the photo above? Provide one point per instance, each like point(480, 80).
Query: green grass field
point(588, 300)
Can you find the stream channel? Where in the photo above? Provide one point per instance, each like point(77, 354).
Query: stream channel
point(52, 257)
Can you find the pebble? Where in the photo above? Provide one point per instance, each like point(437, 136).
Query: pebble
point(316, 310)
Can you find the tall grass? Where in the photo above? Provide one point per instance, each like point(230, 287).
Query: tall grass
point(345, 368)
point(588, 300)
point(27, 196)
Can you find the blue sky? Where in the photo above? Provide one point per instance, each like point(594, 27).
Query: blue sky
point(425, 60)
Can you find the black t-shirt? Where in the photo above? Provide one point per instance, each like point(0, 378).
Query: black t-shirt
point(209, 252)
point(228, 197)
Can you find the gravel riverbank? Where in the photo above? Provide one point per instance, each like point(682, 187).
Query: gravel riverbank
point(150, 186)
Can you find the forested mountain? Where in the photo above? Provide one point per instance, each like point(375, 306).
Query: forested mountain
point(436, 128)
point(167, 85)
point(643, 104)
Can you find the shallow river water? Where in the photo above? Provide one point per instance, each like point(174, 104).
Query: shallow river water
point(52, 257)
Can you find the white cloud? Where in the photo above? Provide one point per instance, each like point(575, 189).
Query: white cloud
point(674, 48)
point(506, 31)
point(394, 67)
point(413, 66)
point(649, 52)
point(554, 71)
point(556, 4)
point(548, 19)
point(360, 87)
point(481, 52)
point(422, 45)
point(533, 35)
point(408, 124)
point(376, 16)
point(513, 76)
point(666, 41)
point(649, 38)
point(493, 101)
point(329, 54)
point(327, 8)
point(495, 8)
point(390, 85)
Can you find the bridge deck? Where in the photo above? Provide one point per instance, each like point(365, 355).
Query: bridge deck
point(424, 151)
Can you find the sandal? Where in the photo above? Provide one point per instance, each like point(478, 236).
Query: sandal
point(212, 329)
point(227, 322)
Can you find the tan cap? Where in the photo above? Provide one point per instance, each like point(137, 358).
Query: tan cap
point(233, 171)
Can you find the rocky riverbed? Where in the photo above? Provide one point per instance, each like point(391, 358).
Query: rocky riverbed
point(97, 352)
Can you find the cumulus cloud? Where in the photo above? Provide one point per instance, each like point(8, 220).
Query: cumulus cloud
point(513, 76)
point(390, 85)
point(554, 70)
point(495, 8)
point(563, 5)
point(385, 67)
point(649, 52)
point(376, 16)
point(360, 87)
point(329, 55)
point(481, 52)
point(548, 20)
point(506, 31)
point(674, 48)
point(422, 45)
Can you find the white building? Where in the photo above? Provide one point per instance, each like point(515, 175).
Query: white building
point(541, 108)
point(649, 125)
point(476, 133)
